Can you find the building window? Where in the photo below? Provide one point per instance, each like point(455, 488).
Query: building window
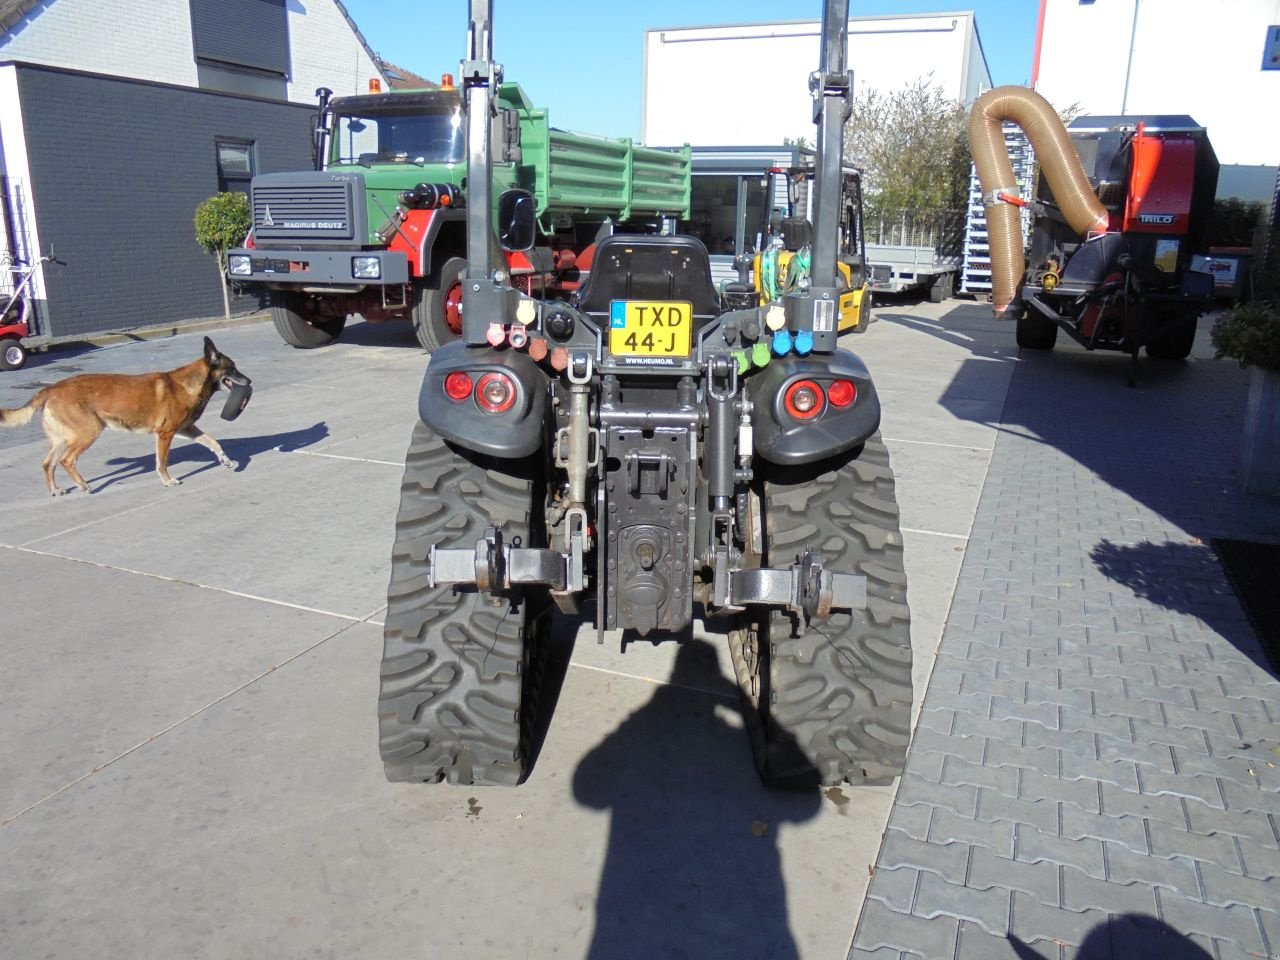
point(235, 165)
point(727, 212)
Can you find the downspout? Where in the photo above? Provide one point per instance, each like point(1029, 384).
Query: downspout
point(1000, 197)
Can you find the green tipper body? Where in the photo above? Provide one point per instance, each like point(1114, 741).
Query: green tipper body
point(567, 173)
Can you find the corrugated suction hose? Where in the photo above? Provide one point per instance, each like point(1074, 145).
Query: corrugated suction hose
point(1059, 161)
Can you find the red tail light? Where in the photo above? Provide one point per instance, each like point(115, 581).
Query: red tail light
point(457, 386)
point(842, 393)
point(803, 400)
point(496, 393)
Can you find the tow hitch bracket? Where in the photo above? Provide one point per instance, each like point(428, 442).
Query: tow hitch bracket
point(804, 587)
point(495, 565)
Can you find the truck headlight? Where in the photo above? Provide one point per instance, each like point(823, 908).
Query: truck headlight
point(366, 268)
point(239, 265)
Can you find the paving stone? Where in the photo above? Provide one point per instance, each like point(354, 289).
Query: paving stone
point(1039, 879)
point(1111, 722)
point(1125, 830)
point(1083, 892)
point(1125, 866)
point(1126, 803)
point(883, 953)
point(931, 741)
point(1258, 860)
point(948, 827)
point(1035, 845)
point(1216, 722)
point(1121, 773)
point(1229, 923)
point(1170, 841)
point(894, 887)
point(1157, 755)
point(960, 798)
point(1034, 922)
point(958, 772)
point(1068, 741)
point(1224, 888)
point(912, 820)
point(1041, 814)
point(1003, 708)
point(1043, 760)
point(1082, 793)
point(948, 860)
point(1252, 825)
point(1040, 692)
point(988, 908)
point(1248, 796)
point(971, 725)
point(1187, 737)
point(1269, 920)
point(1207, 790)
point(880, 926)
point(977, 944)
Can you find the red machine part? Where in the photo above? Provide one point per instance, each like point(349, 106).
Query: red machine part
point(408, 239)
point(1161, 183)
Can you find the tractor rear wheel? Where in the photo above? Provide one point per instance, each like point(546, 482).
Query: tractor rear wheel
point(831, 700)
point(1175, 342)
point(460, 669)
point(300, 324)
point(1035, 332)
point(437, 306)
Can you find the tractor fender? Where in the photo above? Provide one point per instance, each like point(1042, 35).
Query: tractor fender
point(781, 439)
point(517, 432)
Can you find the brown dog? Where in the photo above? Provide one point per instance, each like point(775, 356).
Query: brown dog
point(166, 404)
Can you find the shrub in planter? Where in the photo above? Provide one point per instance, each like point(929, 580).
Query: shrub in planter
point(1249, 333)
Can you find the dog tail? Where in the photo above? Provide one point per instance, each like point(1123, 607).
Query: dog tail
point(21, 415)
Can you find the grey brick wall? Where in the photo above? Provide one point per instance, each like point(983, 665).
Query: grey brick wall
point(117, 170)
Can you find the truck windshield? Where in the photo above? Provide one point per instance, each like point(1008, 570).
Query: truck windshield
point(433, 133)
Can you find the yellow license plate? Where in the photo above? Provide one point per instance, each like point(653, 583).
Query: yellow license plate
point(650, 328)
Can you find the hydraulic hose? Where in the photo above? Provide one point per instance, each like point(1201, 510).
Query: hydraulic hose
point(1059, 161)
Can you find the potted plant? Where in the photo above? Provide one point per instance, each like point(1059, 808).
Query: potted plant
point(1250, 333)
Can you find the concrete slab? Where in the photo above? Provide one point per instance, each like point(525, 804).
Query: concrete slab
point(101, 661)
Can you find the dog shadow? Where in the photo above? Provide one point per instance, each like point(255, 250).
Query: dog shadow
point(241, 450)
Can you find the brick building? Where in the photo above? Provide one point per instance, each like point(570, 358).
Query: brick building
point(118, 117)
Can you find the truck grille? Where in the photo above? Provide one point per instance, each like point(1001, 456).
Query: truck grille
point(312, 211)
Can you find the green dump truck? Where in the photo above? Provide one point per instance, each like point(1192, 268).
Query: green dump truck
point(379, 227)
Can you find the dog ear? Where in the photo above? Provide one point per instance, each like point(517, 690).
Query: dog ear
point(210, 351)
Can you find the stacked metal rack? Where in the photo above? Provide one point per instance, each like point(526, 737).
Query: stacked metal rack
point(976, 275)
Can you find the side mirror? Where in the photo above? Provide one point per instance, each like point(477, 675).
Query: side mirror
point(517, 220)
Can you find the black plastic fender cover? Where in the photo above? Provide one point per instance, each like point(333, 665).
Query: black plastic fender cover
point(517, 432)
point(783, 440)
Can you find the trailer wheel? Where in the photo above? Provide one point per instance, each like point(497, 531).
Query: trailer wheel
point(830, 700)
point(460, 674)
point(299, 324)
point(13, 355)
point(437, 306)
point(942, 288)
point(1175, 342)
point(1034, 331)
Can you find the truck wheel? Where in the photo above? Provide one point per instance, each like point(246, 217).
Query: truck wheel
point(13, 355)
point(437, 306)
point(1176, 342)
point(460, 673)
point(299, 325)
point(831, 700)
point(942, 288)
point(1034, 331)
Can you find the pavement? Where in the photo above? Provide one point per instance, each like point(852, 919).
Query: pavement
point(189, 759)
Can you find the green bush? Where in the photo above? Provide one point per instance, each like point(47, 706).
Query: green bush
point(222, 222)
point(1249, 333)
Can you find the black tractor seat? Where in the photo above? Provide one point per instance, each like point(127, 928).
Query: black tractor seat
point(649, 267)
